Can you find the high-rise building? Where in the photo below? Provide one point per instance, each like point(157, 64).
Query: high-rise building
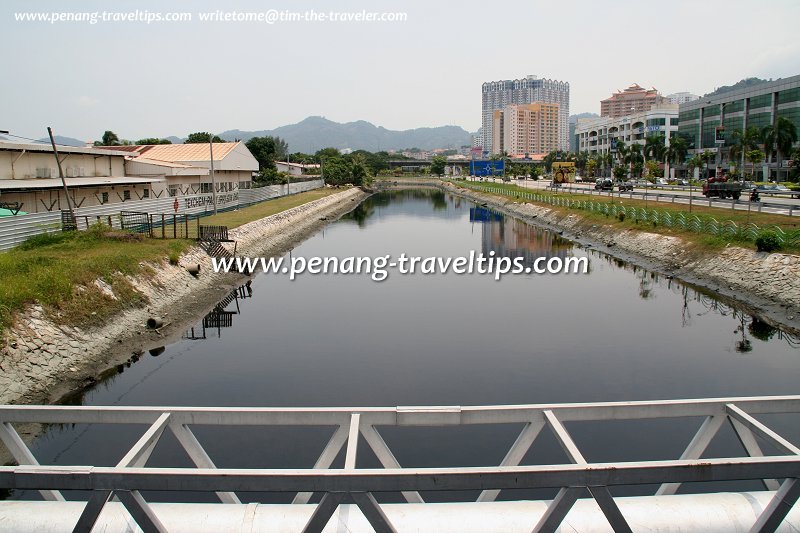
point(524, 130)
point(497, 95)
point(710, 122)
point(682, 98)
point(634, 99)
point(597, 134)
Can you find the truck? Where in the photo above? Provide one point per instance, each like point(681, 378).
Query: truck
point(722, 188)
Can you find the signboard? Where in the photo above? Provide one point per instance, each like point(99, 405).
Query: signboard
point(486, 167)
point(720, 135)
point(563, 171)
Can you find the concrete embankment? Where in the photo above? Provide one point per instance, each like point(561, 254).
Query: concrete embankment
point(42, 360)
point(764, 283)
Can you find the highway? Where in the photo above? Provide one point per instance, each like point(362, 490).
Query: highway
point(673, 194)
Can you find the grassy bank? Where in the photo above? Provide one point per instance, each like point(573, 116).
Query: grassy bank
point(233, 219)
point(59, 270)
point(704, 214)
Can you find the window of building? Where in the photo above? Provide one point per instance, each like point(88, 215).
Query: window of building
point(206, 188)
point(765, 100)
point(146, 193)
point(173, 190)
point(126, 195)
point(104, 198)
point(792, 95)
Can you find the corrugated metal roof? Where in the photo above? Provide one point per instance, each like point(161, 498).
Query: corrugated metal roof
point(36, 147)
point(186, 152)
point(55, 183)
point(170, 164)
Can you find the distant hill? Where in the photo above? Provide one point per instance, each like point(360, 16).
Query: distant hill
point(743, 84)
point(314, 133)
point(573, 119)
point(66, 141)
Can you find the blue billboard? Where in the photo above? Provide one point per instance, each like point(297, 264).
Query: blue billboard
point(487, 168)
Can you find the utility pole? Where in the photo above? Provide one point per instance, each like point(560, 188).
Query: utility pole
point(288, 173)
point(213, 181)
point(63, 182)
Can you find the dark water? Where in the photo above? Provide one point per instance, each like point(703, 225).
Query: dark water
point(617, 333)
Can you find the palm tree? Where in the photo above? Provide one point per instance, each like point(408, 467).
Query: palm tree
point(743, 142)
point(676, 152)
point(654, 147)
point(622, 152)
point(633, 157)
point(779, 137)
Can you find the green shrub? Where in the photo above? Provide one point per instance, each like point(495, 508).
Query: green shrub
point(768, 241)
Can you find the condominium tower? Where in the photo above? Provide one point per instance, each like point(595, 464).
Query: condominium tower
point(634, 99)
point(497, 95)
point(524, 130)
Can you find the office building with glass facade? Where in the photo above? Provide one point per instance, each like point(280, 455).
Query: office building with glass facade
point(756, 106)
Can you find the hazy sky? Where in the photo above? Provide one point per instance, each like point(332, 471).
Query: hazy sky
point(174, 78)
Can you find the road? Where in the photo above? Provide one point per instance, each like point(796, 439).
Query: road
point(680, 195)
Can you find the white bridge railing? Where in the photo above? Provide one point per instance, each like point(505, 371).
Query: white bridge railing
point(125, 481)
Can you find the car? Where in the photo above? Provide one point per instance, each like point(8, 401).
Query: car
point(661, 181)
point(782, 188)
point(625, 186)
point(682, 182)
point(578, 179)
point(604, 184)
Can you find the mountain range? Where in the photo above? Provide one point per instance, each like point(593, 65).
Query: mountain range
point(314, 133)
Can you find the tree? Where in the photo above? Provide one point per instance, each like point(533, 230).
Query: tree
point(743, 142)
point(779, 138)
point(705, 157)
point(341, 170)
point(653, 170)
point(591, 166)
point(202, 137)
point(109, 139)
point(676, 151)
point(696, 161)
point(754, 157)
point(654, 148)
point(264, 150)
point(619, 172)
point(326, 153)
point(437, 164)
point(634, 159)
point(795, 173)
point(581, 160)
point(153, 140)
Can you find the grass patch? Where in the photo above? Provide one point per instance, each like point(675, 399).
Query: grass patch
point(236, 218)
point(704, 213)
point(58, 271)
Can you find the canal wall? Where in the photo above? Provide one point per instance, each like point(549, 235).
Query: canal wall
point(41, 361)
point(767, 284)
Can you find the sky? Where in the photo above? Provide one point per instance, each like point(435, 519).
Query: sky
point(173, 78)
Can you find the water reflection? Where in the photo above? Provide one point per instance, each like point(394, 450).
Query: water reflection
point(220, 317)
point(621, 333)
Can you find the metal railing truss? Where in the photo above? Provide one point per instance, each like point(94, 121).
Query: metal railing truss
point(131, 476)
